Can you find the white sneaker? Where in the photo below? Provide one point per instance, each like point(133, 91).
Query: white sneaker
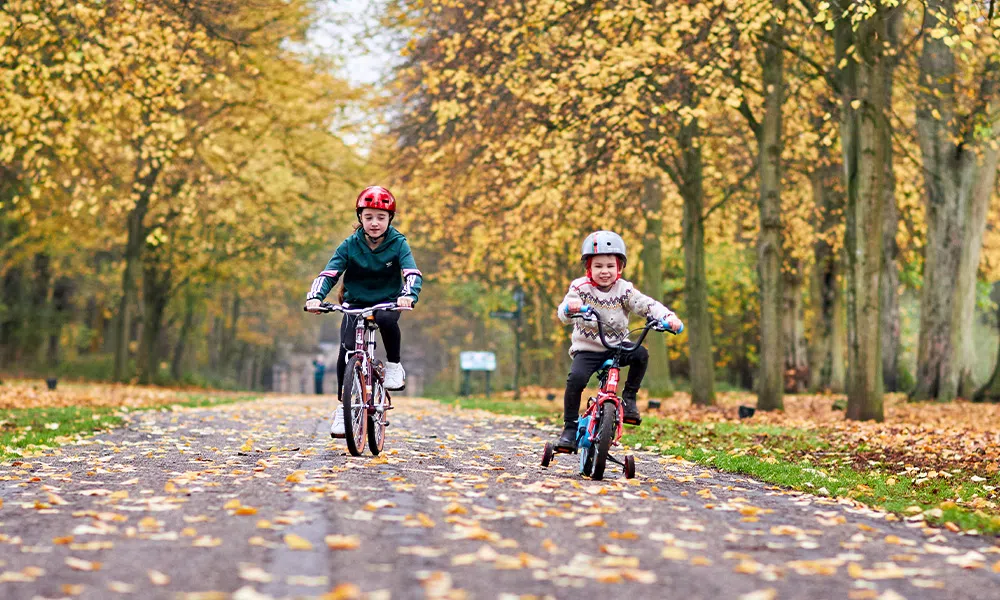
point(395, 377)
point(337, 428)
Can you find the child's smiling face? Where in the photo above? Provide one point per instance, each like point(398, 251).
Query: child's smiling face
point(604, 269)
point(374, 221)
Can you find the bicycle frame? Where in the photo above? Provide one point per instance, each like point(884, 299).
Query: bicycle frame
point(364, 337)
point(608, 391)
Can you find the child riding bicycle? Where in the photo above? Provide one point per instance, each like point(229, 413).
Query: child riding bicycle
point(612, 298)
point(377, 266)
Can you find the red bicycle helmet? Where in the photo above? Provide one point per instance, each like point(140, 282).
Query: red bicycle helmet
point(376, 196)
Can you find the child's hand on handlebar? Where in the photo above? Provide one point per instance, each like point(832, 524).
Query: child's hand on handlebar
point(313, 304)
point(573, 306)
point(404, 302)
point(673, 324)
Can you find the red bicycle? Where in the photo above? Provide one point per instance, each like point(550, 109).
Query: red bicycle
point(600, 428)
point(364, 399)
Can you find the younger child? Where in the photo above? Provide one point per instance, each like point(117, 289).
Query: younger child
point(377, 266)
point(612, 299)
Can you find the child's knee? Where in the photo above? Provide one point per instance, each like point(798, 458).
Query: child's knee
point(577, 380)
point(641, 354)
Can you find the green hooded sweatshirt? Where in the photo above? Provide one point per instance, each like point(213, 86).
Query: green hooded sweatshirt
point(370, 276)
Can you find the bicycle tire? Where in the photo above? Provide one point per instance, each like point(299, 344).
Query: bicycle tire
point(376, 418)
point(605, 434)
point(352, 403)
point(586, 461)
point(629, 467)
point(547, 454)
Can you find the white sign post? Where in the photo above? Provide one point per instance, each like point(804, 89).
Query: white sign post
point(476, 361)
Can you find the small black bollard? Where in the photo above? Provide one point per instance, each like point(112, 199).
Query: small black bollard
point(550, 397)
point(746, 412)
point(51, 382)
point(654, 405)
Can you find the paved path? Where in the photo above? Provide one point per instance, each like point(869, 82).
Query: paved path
point(254, 500)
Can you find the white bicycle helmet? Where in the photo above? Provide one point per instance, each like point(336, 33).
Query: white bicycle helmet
point(604, 242)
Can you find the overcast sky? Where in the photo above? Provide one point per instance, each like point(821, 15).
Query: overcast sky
point(349, 31)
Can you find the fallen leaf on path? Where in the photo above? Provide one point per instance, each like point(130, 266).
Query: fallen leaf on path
point(207, 541)
point(254, 573)
point(157, 578)
point(591, 521)
point(78, 564)
point(674, 553)
point(308, 580)
point(296, 542)
point(342, 542)
point(421, 551)
point(344, 591)
point(969, 560)
point(120, 587)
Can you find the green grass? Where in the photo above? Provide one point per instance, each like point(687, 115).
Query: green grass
point(505, 407)
point(805, 460)
point(27, 428)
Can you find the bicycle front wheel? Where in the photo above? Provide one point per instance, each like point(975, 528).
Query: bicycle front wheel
point(353, 404)
point(377, 418)
point(605, 435)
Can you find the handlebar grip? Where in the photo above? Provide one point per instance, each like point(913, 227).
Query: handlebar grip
point(679, 331)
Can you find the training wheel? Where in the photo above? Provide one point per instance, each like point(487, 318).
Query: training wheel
point(547, 454)
point(629, 466)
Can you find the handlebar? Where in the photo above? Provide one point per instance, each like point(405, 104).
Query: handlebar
point(587, 313)
point(326, 307)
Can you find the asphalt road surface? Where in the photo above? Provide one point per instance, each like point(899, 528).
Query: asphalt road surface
point(255, 500)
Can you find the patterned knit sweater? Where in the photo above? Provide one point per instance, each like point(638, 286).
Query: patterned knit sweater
point(613, 307)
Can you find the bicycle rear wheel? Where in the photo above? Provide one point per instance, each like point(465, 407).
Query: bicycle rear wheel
point(377, 418)
point(605, 434)
point(353, 405)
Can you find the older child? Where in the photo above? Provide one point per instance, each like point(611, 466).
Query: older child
point(612, 299)
point(377, 266)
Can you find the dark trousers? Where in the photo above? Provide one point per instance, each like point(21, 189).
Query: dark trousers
point(388, 326)
point(585, 364)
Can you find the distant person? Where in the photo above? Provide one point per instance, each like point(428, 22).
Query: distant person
point(377, 266)
point(612, 299)
point(319, 371)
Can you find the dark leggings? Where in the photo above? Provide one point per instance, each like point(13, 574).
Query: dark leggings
point(388, 326)
point(585, 364)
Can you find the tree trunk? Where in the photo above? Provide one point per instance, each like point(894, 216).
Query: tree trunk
point(39, 314)
point(796, 363)
point(62, 293)
point(865, 144)
point(990, 392)
point(824, 285)
point(133, 264)
point(972, 244)
point(952, 171)
point(838, 339)
point(155, 296)
point(699, 322)
point(890, 326)
point(658, 375)
point(228, 345)
point(177, 361)
point(770, 383)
